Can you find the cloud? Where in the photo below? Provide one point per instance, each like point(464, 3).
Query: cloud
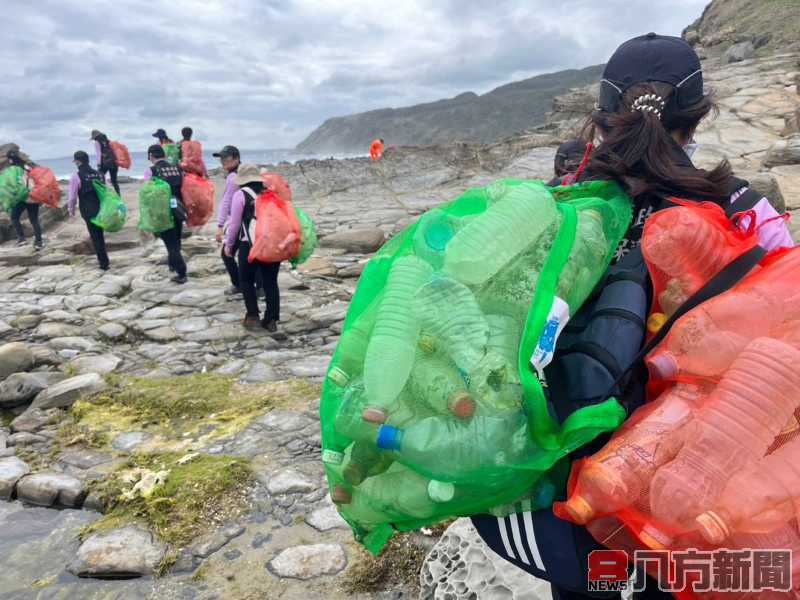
point(264, 73)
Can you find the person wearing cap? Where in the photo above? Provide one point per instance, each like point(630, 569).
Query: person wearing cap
point(162, 137)
point(650, 105)
point(82, 193)
point(32, 208)
point(567, 158)
point(230, 160)
point(106, 161)
point(173, 175)
point(240, 231)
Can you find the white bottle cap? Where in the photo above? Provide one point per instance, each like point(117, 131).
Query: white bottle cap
point(439, 491)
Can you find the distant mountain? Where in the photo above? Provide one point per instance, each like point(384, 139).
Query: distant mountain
point(502, 112)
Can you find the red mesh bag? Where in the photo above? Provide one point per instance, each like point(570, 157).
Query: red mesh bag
point(45, 187)
point(192, 158)
point(121, 155)
point(277, 231)
point(276, 183)
point(713, 461)
point(198, 198)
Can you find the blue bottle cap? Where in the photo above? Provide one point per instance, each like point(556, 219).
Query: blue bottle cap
point(389, 437)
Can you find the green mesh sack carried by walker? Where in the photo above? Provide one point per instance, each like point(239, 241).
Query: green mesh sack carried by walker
point(173, 153)
point(12, 187)
point(308, 236)
point(113, 212)
point(432, 406)
point(155, 213)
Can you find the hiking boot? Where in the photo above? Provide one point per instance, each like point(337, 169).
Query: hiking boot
point(38, 244)
point(179, 279)
point(104, 267)
point(250, 322)
point(21, 243)
point(271, 325)
point(233, 290)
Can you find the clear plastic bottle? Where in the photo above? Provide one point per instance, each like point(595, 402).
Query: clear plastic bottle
point(451, 449)
point(434, 231)
point(735, 427)
point(585, 261)
point(505, 333)
point(363, 460)
point(449, 312)
point(620, 473)
point(349, 419)
point(494, 384)
point(758, 499)
point(393, 344)
point(352, 348)
point(436, 383)
point(507, 228)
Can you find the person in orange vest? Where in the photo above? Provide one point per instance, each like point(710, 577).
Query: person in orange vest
point(376, 149)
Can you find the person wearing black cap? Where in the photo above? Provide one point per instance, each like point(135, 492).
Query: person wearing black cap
point(173, 175)
point(106, 161)
point(162, 136)
point(230, 160)
point(567, 158)
point(32, 208)
point(651, 103)
point(82, 192)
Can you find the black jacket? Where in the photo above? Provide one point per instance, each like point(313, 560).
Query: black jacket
point(88, 202)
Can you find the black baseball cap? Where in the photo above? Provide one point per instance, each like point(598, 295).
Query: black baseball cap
point(571, 148)
point(160, 134)
point(156, 151)
point(227, 151)
point(81, 156)
point(652, 57)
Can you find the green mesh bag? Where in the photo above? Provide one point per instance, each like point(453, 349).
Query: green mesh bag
point(173, 153)
point(308, 235)
point(113, 212)
point(155, 213)
point(12, 187)
point(432, 406)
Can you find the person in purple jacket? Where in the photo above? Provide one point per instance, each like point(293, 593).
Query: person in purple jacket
point(82, 193)
point(230, 160)
point(240, 234)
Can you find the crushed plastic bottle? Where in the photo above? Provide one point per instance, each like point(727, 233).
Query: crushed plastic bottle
point(504, 338)
point(439, 385)
point(734, 428)
point(393, 344)
point(509, 226)
point(494, 383)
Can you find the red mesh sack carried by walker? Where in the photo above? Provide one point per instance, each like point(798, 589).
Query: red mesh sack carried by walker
point(45, 189)
point(121, 155)
point(198, 197)
point(711, 462)
point(277, 231)
point(276, 183)
point(192, 157)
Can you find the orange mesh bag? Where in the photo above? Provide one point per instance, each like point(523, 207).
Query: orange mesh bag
point(198, 197)
point(276, 183)
point(711, 463)
point(277, 231)
point(121, 155)
point(192, 157)
point(45, 187)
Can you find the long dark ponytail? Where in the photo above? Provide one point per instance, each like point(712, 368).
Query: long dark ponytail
point(638, 151)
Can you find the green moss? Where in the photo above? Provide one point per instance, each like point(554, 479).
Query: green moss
point(398, 564)
point(196, 496)
point(6, 417)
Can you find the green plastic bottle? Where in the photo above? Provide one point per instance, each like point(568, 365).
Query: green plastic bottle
point(438, 384)
point(363, 460)
point(349, 419)
point(348, 363)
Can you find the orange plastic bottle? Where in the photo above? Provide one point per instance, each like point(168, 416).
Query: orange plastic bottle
point(737, 424)
point(620, 473)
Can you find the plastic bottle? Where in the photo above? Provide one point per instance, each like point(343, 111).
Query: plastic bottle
point(494, 384)
point(363, 460)
point(620, 473)
point(585, 261)
point(449, 312)
point(434, 231)
point(739, 421)
point(504, 339)
point(349, 419)
point(392, 346)
point(439, 385)
point(487, 244)
point(348, 363)
point(758, 499)
point(453, 449)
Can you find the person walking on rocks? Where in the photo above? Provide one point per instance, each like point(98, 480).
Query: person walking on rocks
point(32, 208)
point(191, 154)
point(162, 136)
point(241, 230)
point(106, 161)
point(82, 192)
point(173, 175)
point(230, 160)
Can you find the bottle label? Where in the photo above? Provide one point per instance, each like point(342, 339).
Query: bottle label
point(554, 325)
point(332, 457)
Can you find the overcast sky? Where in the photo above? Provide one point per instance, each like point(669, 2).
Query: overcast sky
point(265, 73)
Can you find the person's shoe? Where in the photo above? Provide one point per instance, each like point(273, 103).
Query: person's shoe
point(271, 325)
point(251, 323)
point(104, 267)
point(179, 279)
point(233, 290)
point(38, 244)
point(260, 292)
point(21, 243)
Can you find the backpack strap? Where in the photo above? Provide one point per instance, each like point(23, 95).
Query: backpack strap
point(721, 282)
point(253, 196)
